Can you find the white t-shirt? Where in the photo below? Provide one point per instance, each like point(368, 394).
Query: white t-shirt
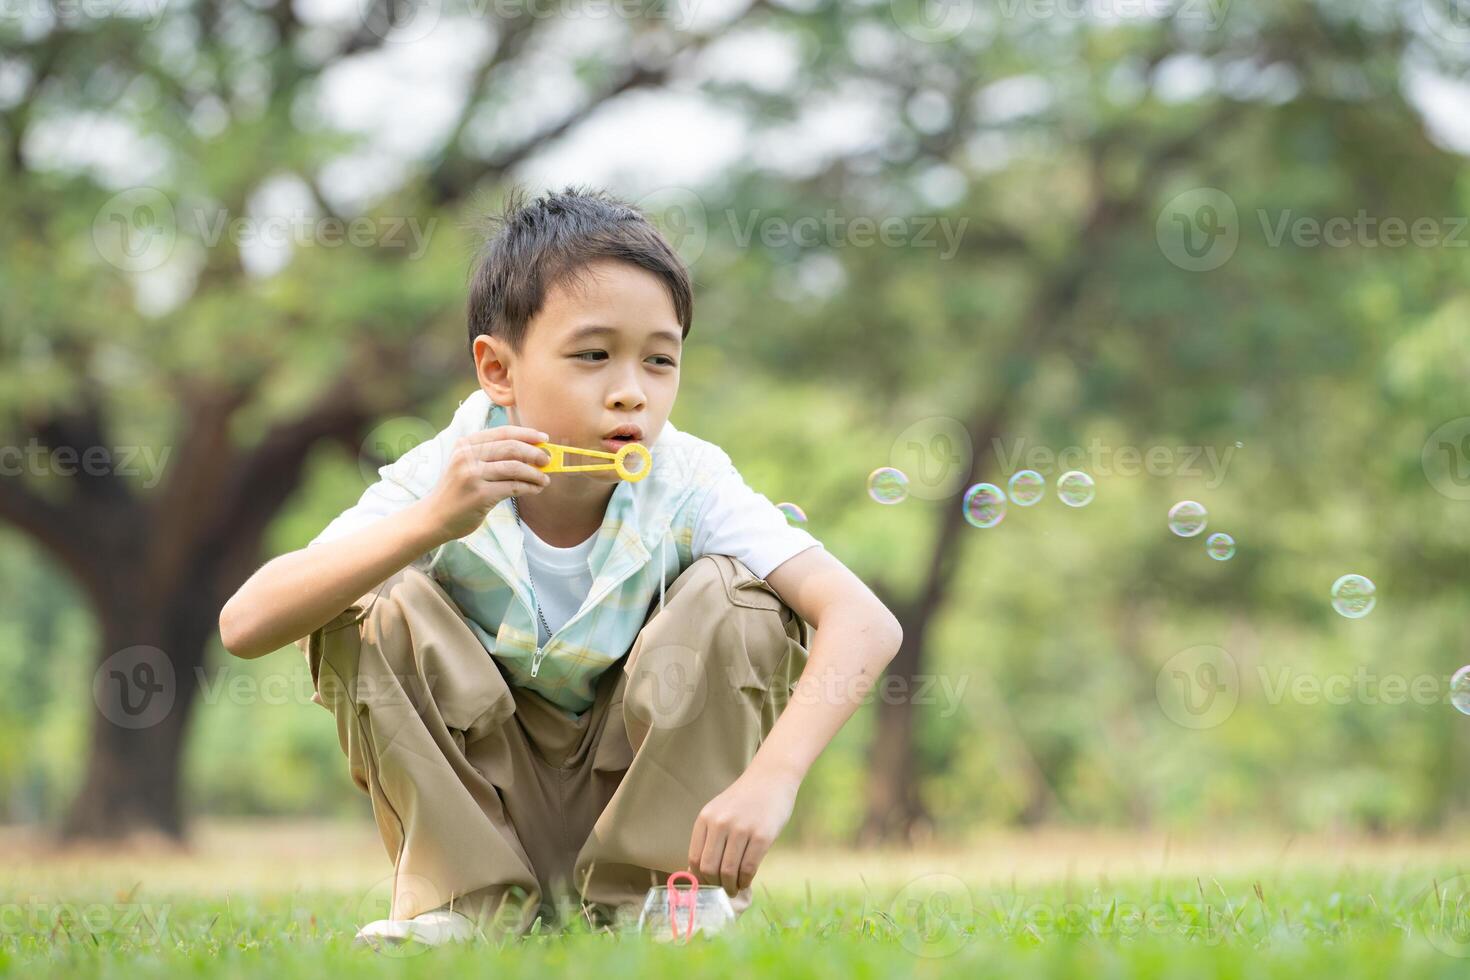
point(561, 577)
point(734, 520)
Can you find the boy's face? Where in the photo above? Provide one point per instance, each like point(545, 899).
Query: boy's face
point(601, 354)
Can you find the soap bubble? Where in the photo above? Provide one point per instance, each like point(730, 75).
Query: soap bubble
point(935, 453)
point(1187, 518)
point(1353, 596)
point(888, 485)
point(1220, 546)
point(794, 514)
point(1026, 487)
point(1075, 488)
point(985, 505)
point(1460, 690)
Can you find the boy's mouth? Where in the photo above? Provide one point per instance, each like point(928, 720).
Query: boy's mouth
point(622, 435)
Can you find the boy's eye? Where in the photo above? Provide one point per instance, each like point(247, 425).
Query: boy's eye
point(591, 355)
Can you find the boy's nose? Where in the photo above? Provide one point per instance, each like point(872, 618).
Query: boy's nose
point(628, 399)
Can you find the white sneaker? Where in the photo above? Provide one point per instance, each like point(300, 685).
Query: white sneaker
point(434, 928)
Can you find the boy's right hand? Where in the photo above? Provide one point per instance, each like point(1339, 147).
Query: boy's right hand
point(483, 469)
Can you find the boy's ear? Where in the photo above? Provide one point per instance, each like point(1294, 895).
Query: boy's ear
point(492, 366)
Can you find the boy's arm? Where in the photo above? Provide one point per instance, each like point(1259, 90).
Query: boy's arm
point(299, 592)
point(854, 638)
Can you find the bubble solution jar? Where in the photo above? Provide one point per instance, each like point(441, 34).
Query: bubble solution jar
point(674, 914)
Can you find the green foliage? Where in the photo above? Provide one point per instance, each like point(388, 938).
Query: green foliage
point(1059, 317)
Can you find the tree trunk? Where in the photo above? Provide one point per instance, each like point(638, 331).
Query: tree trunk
point(141, 699)
point(894, 810)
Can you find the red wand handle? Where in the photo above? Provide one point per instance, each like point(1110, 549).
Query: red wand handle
point(687, 898)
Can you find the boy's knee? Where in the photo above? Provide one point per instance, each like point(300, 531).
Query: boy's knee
point(723, 634)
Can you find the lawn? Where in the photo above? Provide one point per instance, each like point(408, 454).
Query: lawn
point(1040, 906)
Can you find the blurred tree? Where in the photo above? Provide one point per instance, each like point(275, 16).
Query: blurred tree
point(235, 375)
point(1062, 139)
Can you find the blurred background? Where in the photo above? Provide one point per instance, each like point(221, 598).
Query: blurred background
point(1207, 250)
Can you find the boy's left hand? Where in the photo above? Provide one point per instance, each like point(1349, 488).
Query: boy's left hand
point(735, 829)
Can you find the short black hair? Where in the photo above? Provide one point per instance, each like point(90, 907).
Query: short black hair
point(532, 246)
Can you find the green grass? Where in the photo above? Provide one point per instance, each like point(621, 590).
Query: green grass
point(1374, 923)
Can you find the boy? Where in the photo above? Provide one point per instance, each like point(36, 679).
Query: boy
point(465, 620)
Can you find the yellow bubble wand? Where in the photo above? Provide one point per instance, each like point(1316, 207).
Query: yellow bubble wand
point(619, 459)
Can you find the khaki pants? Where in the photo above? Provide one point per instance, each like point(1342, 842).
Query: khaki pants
point(489, 797)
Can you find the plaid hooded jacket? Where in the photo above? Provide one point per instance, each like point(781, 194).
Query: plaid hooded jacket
point(645, 541)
